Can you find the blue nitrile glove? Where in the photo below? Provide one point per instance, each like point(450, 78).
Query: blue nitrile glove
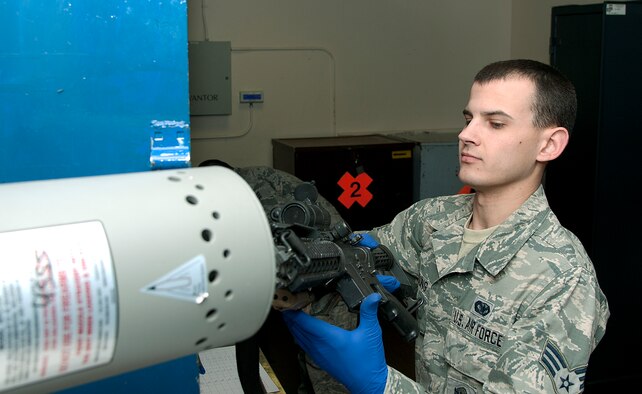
point(389, 282)
point(354, 358)
point(367, 241)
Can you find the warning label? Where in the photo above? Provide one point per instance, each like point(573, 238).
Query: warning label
point(187, 282)
point(58, 306)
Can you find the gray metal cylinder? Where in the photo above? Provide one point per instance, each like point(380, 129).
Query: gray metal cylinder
point(106, 274)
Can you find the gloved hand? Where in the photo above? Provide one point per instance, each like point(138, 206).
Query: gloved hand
point(389, 282)
point(355, 358)
point(367, 241)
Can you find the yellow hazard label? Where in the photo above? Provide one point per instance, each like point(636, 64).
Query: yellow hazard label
point(402, 154)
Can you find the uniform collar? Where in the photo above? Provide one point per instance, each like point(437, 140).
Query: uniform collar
point(497, 250)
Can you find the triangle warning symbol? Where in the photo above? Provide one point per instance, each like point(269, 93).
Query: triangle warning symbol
point(187, 282)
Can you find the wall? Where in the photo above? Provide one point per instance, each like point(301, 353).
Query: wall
point(83, 86)
point(336, 68)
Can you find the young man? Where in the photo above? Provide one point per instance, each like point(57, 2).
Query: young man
point(511, 299)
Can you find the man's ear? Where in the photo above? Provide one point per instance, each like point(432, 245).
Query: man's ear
point(554, 142)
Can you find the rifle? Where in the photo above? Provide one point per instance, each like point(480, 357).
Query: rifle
point(311, 255)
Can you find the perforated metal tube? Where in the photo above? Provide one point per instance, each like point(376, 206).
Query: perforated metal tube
point(185, 259)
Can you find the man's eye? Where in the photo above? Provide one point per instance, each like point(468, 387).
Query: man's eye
point(496, 125)
point(467, 121)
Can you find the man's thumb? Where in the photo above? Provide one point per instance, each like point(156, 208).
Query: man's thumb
point(368, 310)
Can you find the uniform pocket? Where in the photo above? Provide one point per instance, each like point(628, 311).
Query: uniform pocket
point(467, 355)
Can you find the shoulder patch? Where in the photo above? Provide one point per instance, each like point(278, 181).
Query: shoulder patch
point(565, 380)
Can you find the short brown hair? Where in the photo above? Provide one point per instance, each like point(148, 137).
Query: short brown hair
point(555, 102)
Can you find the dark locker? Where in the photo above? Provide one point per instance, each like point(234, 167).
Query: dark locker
point(368, 178)
point(590, 186)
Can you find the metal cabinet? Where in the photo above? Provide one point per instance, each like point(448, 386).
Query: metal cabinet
point(589, 187)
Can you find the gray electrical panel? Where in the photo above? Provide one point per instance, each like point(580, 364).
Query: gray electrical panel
point(210, 82)
point(435, 162)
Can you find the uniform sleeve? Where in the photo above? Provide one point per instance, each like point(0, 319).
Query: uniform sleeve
point(402, 237)
point(549, 344)
point(399, 383)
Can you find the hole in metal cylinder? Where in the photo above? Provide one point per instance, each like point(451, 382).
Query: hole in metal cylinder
point(211, 314)
point(207, 235)
point(212, 275)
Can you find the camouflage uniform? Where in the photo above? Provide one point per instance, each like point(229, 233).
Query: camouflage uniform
point(521, 312)
point(273, 188)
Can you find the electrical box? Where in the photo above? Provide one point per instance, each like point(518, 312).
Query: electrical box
point(368, 178)
point(210, 82)
point(435, 161)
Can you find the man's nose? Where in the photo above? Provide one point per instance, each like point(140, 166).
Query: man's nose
point(468, 134)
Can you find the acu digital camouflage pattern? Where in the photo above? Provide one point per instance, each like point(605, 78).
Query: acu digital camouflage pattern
point(521, 312)
point(274, 188)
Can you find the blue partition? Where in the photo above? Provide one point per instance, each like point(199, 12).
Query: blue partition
point(88, 87)
point(91, 88)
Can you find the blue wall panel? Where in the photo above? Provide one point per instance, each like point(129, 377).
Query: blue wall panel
point(91, 88)
point(82, 81)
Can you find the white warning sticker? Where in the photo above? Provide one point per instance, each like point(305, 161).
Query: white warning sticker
point(615, 9)
point(58, 303)
point(188, 282)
